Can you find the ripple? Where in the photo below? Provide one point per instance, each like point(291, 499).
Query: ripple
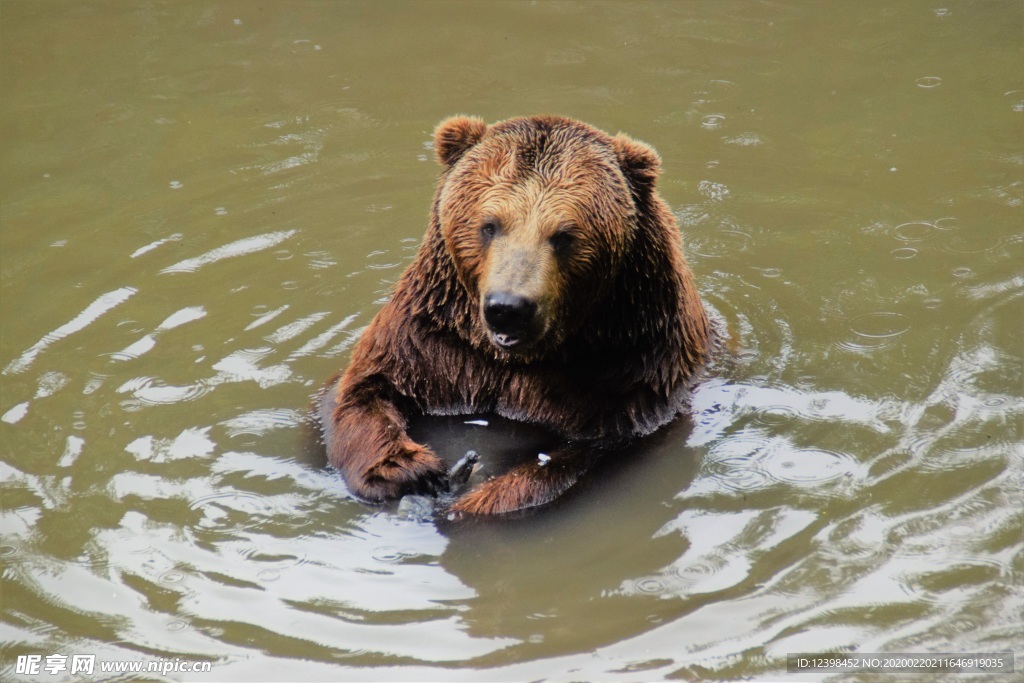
point(962, 445)
point(928, 82)
point(746, 356)
point(881, 325)
point(712, 121)
point(133, 351)
point(738, 473)
point(916, 537)
point(646, 586)
point(954, 582)
point(384, 266)
point(848, 541)
point(715, 90)
point(274, 556)
point(260, 422)
point(149, 391)
point(694, 572)
point(718, 244)
point(743, 446)
point(390, 554)
point(319, 260)
point(904, 253)
point(805, 466)
point(234, 510)
point(172, 577)
point(958, 626)
point(913, 232)
point(806, 383)
point(776, 415)
point(979, 242)
point(947, 223)
point(718, 88)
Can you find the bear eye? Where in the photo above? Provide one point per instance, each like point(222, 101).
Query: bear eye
point(562, 241)
point(489, 228)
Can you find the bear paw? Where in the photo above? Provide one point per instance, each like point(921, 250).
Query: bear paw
point(508, 493)
point(413, 470)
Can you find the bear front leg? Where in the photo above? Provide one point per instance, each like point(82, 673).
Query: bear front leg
point(366, 440)
point(529, 485)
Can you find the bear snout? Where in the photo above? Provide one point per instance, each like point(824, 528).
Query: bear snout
point(511, 318)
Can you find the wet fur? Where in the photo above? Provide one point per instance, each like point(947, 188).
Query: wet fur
point(628, 329)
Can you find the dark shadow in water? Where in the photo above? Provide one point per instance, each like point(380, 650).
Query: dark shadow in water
point(502, 444)
point(311, 442)
point(564, 577)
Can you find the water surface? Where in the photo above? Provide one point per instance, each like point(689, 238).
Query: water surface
point(203, 204)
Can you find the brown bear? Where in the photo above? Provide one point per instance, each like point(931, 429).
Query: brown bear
point(550, 288)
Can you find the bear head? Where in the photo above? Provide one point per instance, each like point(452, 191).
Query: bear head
point(538, 215)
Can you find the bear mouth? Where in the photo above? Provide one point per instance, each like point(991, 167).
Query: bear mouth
point(513, 330)
point(505, 341)
point(523, 345)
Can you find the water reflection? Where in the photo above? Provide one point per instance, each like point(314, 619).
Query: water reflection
point(240, 247)
point(103, 304)
point(206, 234)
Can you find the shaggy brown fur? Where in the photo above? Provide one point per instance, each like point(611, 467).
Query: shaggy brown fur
point(562, 220)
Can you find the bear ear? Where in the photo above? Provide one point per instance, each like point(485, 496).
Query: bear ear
point(454, 136)
point(640, 163)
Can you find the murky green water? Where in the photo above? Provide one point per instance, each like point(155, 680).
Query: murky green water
point(204, 203)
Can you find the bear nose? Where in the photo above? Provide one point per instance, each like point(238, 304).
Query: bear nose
point(509, 314)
